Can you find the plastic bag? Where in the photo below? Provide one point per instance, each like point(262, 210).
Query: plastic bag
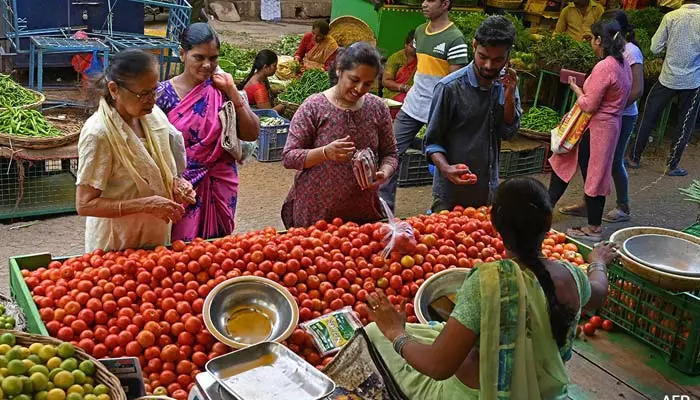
point(399, 235)
point(567, 134)
point(364, 165)
point(332, 331)
point(248, 149)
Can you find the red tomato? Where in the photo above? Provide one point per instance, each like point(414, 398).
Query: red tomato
point(607, 325)
point(589, 329)
point(596, 321)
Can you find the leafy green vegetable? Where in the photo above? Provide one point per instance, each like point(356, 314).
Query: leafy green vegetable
point(561, 51)
point(232, 58)
point(287, 45)
point(468, 23)
point(647, 19)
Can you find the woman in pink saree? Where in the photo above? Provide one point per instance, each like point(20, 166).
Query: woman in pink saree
point(192, 101)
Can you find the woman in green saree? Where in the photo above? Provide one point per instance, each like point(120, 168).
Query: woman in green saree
point(514, 322)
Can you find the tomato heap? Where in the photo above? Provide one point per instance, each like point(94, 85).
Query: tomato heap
point(148, 304)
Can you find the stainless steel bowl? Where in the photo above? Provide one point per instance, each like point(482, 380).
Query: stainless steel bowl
point(666, 253)
point(444, 283)
point(263, 294)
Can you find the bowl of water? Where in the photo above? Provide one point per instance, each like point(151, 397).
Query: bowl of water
point(247, 310)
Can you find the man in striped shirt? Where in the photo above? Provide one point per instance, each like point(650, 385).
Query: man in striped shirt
point(679, 35)
point(441, 49)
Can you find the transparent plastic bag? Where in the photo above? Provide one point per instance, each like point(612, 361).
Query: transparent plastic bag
point(399, 235)
point(364, 165)
point(248, 150)
point(332, 331)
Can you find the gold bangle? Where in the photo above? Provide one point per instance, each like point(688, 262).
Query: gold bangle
point(120, 209)
point(323, 150)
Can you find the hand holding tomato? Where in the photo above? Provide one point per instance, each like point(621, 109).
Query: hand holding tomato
point(391, 322)
point(459, 174)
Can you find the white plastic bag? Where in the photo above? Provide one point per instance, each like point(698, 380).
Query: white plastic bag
point(364, 165)
point(399, 235)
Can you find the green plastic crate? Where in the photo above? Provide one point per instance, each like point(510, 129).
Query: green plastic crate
point(518, 163)
point(20, 291)
point(668, 321)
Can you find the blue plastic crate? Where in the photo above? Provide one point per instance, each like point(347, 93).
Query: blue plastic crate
point(272, 139)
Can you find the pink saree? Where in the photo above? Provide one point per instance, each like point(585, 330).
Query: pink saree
point(210, 169)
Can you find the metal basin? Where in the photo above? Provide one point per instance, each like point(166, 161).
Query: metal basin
point(275, 312)
point(443, 283)
point(666, 253)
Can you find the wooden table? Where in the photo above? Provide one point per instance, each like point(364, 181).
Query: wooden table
point(618, 366)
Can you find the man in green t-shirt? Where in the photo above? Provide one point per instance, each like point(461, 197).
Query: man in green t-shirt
point(440, 49)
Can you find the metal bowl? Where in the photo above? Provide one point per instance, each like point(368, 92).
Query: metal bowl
point(263, 294)
point(667, 253)
point(444, 283)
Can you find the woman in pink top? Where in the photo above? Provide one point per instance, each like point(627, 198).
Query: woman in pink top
point(604, 94)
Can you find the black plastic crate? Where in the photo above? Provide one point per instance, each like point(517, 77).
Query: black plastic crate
point(523, 162)
point(413, 170)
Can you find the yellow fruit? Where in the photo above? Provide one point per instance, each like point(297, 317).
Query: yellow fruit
point(104, 397)
point(65, 350)
point(40, 381)
point(47, 352)
point(8, 339)
point(13, 354)
point(16, 367)
point(90, 396)
point(78, 376)
point(76, 389)
point(88, 367)
point(88, 388)
point(41, 395)
point(53, 363)
point(90, 381)
point(11, 386)
point(4, 348)
point(69, 364)
point(100, 389)
point(56, 394)
point(40, 369)
point(63, 380)
point(28, 363)
point(35, 348)
point(74, 396)
point(407, 261)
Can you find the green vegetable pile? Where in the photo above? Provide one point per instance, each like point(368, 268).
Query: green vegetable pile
point(287, 45)
point(13, 94)
point(561, 51)
point(29, 123)
point(692, 193)
point(232, 58)
point(271, 121)
point(313, 81)
point(469, 22)
point(647, 19)
point(540, 119)
point(652, 62)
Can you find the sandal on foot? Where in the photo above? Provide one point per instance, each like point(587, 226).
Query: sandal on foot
point(616, 215)
point(676, 172)
point(584, 233)
point(578, 210)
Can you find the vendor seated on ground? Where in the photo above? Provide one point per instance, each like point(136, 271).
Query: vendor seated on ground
point(256, 84)
point(317, 50)
point(399, 71)
point(576, 19)
point(514, 321)
point(323, 136)
point(127, 182)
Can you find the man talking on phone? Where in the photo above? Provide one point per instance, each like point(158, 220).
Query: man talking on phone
point(472, 110)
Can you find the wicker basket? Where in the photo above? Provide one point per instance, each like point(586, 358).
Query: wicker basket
point(659, 278)
point(33, 106)
point(289, 109)
point(102, 375)
point(507, 4)
point(535, 135)
point(347, 30)
point(14, 141)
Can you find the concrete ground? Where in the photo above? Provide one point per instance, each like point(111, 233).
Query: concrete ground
point(655, 199)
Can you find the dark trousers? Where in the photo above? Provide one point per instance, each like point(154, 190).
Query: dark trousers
point(557, 187)
point(659, 97)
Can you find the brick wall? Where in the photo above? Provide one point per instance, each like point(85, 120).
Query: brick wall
point(250, 9)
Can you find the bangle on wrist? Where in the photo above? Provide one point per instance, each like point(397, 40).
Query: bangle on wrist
point(597, 266)
point(400, 342)
point(323, 150)
point(120, 208)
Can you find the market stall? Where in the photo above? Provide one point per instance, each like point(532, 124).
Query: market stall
point(159, 305)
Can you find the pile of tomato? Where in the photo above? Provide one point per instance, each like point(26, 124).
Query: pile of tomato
point(148, 304)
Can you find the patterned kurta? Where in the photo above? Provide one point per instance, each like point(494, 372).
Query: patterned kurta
point(329, 189)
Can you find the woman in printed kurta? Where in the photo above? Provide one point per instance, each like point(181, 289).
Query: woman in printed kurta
point(512, 327)
point(192, 102)
point(604, 94)
point(324, 134)
point(127, 184)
